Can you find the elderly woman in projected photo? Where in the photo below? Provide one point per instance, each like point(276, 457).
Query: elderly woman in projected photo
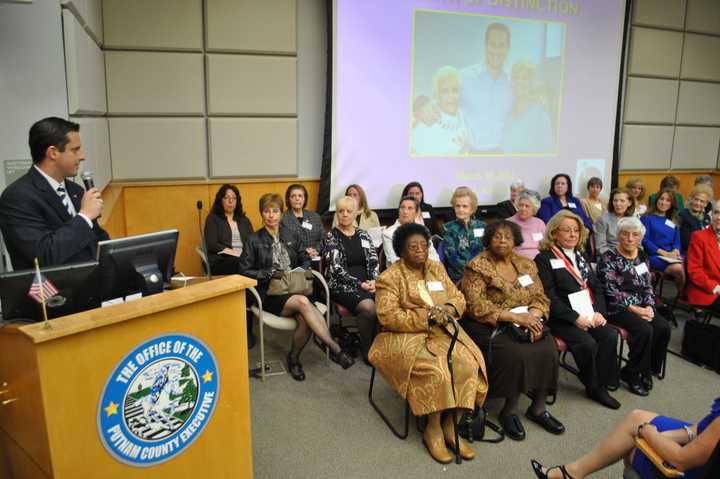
point(527, 127)
point(448, 135)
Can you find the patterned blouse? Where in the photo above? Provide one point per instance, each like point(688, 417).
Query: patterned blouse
point(461, 245)
point(488, 294)
point(309, 230)
point(335, 262)
point(624, 285)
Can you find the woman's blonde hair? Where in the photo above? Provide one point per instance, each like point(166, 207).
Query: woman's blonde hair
point(363, 206)
point(632, 183)
point(465, 191)
point(702, 188)
point(553, 225)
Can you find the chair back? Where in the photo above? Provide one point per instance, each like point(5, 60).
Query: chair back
point(203, 258)
point(6, 264)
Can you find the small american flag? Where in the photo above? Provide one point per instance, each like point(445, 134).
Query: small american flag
point(47, 291)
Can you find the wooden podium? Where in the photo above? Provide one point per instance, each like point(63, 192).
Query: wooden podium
point(52, 380)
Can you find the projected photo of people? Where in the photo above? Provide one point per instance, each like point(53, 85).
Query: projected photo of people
point(485, 85)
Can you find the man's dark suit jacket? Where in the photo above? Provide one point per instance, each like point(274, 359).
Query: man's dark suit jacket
point(35, 224)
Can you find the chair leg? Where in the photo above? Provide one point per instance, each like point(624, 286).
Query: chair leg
point(661, 376)
point(382, 415)
point(262, 350)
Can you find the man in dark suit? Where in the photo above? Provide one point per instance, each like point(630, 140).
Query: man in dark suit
point(44, 216)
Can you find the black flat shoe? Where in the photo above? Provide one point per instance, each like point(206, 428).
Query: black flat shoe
point(295, 369)
point(546, 421)
point(512, 426)
point(633, 382)
point(342, 358)
point(601, 396)
point(537, 469)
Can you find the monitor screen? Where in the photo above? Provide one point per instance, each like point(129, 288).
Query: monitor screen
point(77, 285)
point(137, 264)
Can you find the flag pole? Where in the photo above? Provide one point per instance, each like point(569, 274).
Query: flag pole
point(42, 294)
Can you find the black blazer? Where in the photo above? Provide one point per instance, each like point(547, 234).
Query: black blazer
point(256, 258)
point(218, 234)
point(431, 222)
point(559, 283)
point(35, 223)
point(689, 224)
point(505, 209)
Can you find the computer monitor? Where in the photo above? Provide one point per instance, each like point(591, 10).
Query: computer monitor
point(137, 264)
point(77, 284)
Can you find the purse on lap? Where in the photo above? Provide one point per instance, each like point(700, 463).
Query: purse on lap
point(297, 281)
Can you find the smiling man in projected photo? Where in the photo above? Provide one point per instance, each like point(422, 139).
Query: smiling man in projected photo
point(487, 97)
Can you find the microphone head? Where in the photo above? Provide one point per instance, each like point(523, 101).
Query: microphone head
point(86, 175)
point(199, 204)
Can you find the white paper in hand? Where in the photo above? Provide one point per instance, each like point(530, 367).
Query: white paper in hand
point(520, 310)
point(581, 303)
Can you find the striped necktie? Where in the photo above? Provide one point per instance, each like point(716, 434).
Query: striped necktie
point(65, 200)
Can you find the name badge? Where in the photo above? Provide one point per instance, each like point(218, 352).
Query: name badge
point(537, 236)
point(307, 225)
point(572, 205)
point(365, 244)
point(435, 286)
point(670, 223)
point(557, 263)
point(525, 280)
point(479, 232)
point(426, 215)
point(641, 269)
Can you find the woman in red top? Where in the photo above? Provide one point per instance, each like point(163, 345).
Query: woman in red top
point(703, 264)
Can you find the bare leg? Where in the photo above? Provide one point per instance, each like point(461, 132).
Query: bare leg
point(675, 271)
point(298, 304)
point(618, 444)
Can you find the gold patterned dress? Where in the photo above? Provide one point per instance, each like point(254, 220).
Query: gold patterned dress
point(411, 355)
point(514, 367)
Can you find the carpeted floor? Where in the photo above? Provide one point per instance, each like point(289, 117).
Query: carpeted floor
point(324, 427)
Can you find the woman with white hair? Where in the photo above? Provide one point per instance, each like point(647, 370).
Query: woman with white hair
point(531, 227)
point(351, 268)
point(506, 208)
point(447, 136)
point(625, 272)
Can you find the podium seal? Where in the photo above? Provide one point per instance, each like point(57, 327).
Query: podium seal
point(158, 400)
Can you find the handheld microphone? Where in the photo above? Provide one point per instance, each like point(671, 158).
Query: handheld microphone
point(87, 179)
point(203, 244)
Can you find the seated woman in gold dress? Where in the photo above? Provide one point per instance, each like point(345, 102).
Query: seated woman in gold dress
point(415, 298)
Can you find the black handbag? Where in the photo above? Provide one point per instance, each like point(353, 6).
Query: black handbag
point(472, 426)
point(522, 334)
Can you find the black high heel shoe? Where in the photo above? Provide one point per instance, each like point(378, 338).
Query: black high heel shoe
point(342, 358)
point(295, 368)
point(537, 468)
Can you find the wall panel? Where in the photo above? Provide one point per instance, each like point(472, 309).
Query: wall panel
point(157, 148)
point(700, 57)
point(253, 146)
point(251, 25)
point(646, 147)
point(95, 140)
point(89, 14)
point(695, 147)
point(153, 24)
point(651, 100)
point(659, 13)
point(251, 85)
point(703, 16)
point(84, 69)
point(655, 52)
point(146, 83)
point(699, 103)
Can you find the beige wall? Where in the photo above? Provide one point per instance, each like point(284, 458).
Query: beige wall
point(672, 104)
point(224, 74)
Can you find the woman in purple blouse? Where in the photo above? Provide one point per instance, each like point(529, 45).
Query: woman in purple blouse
point(630, 299)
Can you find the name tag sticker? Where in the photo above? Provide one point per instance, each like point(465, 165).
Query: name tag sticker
point(641, 269)
point(537, 236)
point(670, 223)
point(572, 205)
point(557, 263)
point(365, 244)
point(307, 225)
point(426, 215)
point(435, 286)
point(525, 280)
point(479, 232)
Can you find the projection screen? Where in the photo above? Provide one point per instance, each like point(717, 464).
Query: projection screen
point(474, 93)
